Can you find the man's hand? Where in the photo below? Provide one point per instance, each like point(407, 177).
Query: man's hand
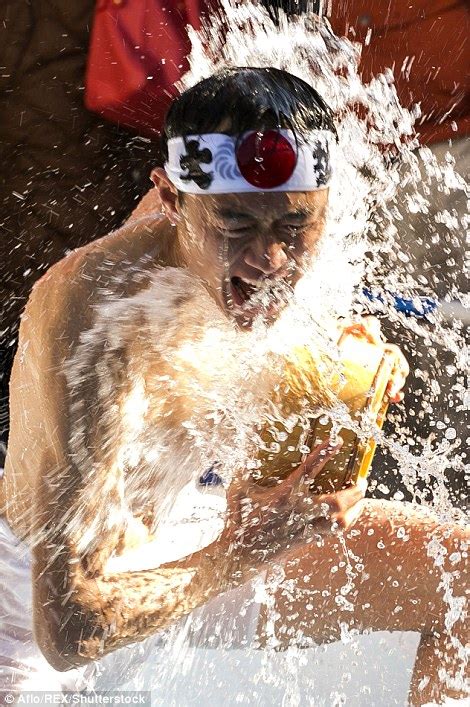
point(264, 523)
point(369, 328)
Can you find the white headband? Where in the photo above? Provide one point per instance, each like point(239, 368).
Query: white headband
point(272, 160)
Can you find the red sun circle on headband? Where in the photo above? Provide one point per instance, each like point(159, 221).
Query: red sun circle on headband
point(266, 160)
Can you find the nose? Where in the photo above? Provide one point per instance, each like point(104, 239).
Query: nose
point(267, 255)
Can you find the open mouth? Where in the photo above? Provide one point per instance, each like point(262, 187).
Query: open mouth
point(242, 291)
point(266, 295)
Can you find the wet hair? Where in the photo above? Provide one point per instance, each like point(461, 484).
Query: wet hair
point(291, 7)
point(242, 99)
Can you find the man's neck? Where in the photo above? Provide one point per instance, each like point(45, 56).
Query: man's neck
point(177, 250)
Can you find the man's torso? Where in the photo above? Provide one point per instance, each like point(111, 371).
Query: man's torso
point(62, 307)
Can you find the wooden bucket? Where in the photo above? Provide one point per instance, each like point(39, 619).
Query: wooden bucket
point(367, 370)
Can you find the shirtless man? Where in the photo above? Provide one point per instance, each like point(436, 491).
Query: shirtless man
point(95, 400)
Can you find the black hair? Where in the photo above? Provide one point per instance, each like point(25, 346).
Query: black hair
point(291, 7)
point(242, 99)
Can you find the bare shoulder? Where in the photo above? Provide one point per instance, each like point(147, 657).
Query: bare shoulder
point(118, 264)
point(55, 372)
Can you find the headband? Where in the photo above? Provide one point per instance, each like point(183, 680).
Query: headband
point(272, 160)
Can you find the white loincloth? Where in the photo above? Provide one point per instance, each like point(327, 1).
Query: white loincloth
point(22, 665)
point(229, 621)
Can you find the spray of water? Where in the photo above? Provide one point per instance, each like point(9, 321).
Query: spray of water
point(380, 178)
point(229, 376)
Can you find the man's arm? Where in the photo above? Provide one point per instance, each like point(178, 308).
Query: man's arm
point(81, 612)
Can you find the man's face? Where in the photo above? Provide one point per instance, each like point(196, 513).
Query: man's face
point(251, 249)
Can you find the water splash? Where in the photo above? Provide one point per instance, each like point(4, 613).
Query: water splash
point(224, 374)
point(379, 181)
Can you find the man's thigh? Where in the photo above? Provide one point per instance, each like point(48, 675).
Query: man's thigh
point(381, 575)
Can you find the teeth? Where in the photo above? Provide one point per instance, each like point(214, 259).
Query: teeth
point(247, 289)
point(243, 288)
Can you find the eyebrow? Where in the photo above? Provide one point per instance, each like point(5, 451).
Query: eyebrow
point(233, 215)
point(297, 215)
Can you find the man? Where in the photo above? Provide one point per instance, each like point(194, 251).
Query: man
point(135, 374)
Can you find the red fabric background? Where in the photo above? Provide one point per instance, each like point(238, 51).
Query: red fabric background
point(138, 50)
point(426, 42)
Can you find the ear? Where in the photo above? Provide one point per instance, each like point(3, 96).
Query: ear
point(168, 194)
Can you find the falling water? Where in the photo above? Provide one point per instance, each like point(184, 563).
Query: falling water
point(380, 178)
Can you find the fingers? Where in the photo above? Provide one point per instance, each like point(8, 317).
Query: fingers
point(368, 327)
point(395, 397)
point(318, 457)
point(313, 464)
point(331, 506)
point(362, 484)
point(335, 508)
point(340, 502)
point(400, 373)
point(351, 515)
point(332, 521)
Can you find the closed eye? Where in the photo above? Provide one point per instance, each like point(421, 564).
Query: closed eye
point(293, 229)
point(293, 226)
point(237, 232)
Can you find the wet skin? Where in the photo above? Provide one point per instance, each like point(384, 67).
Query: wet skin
point(258, 238)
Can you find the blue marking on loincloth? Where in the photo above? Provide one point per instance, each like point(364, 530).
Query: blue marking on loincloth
point(211, 477)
